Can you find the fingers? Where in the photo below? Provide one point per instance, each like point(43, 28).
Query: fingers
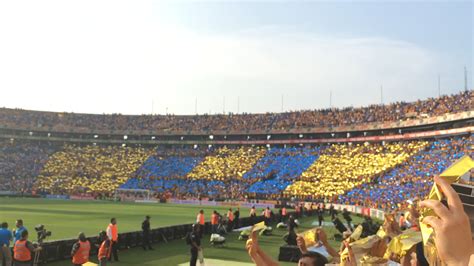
point(453, 199)
point(253, 235)
point(438, 207)
point(432, 221)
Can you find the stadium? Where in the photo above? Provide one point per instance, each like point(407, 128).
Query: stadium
point(386, 183)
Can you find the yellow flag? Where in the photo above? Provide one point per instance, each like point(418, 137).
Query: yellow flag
point(451, 174)
point(456, 170)
point(258, 226)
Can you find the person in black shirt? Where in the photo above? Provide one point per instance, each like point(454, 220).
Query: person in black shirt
point(236, 218)
point(332, 212)
point(146, 233)
point(320, 212)
point(194, 241)
point(347, 217)
point(291, 231)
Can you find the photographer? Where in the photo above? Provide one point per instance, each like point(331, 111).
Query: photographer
point(23, 249)
point(80, 250)
point(5, 238)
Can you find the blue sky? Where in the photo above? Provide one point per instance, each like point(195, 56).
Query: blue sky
point(122, 56)
point(445, 27)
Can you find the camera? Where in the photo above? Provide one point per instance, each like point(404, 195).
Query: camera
point(42, 233)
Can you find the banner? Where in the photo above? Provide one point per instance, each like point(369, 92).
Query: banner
point(61, 197)
point(193, 202)
point(78, 197)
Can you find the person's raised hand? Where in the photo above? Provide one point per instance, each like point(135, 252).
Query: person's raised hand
point(322, 236)
point(351, 259)
point(452, 228)
point(301, 244)
point(378, 249)
point(252, 244)
point(390, 226)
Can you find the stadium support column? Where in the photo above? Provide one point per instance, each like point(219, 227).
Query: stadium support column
point(330, 99)
point(465, 78)
point(439, 85)
point(282, 103)
point(381, 94)
point(238, 104)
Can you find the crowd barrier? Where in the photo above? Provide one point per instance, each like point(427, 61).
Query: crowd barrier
point(260, 204)
point(61, 249)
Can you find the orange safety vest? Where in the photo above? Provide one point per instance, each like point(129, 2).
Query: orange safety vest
point(200, 219)
point(267, 213)
point(230, 216)
point(214, 219)
point(252, 212)
point(104, 250)
point(283, 211)
point(21, 251)
point(82, 254)
point(113, 228)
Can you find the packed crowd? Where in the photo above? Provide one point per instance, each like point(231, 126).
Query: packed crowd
point(375, 174)
point(90, 169)
point(227, 164)
point(279, 168)
point(344, 166)
point(20, 164)
point(462, 101)
point(413, 178)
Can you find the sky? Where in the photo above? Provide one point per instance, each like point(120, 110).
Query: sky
point(187, 57)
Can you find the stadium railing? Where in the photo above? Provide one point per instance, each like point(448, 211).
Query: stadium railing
point(61, 249)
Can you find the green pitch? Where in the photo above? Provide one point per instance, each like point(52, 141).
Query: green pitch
point(66, 218)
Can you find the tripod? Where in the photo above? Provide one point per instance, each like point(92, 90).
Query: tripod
point(37, 258)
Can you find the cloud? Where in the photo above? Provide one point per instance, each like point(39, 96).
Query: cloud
point(118, 57)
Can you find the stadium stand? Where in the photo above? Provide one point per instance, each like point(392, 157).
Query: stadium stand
point(67, 122)
point(90, 169)
point(20, 164)
point(227, 164)
point(345, 166)
point(279, 168)
point(413, 178)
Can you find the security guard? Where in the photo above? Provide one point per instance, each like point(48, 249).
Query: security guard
point(81, 250)
point(104, 249)
point(112, 234)
point(23, 250)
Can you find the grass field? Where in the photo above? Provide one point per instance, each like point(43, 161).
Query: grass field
point(66, 218)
